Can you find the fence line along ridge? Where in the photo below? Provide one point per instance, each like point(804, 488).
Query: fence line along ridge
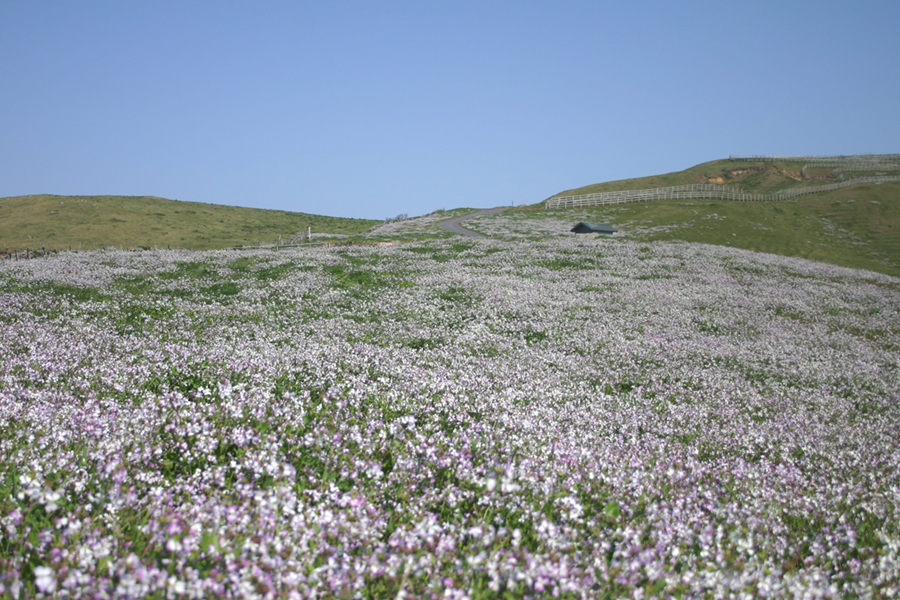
point(838, 158)
point(701, 190)
point(841, 163)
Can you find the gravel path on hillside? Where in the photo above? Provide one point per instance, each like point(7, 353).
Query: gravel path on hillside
point(453, 225)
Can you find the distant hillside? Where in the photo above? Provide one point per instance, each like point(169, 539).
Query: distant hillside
point(857, 226)
point(752, 176)
point(129, 221)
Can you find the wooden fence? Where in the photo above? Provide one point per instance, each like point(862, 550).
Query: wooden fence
point(700, 190)
point(850, 166)
point(841, 164)
point(842, 159)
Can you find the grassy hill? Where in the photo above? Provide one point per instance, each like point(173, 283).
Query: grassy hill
point(857, 226)
point(752, 177)
point(129, 221)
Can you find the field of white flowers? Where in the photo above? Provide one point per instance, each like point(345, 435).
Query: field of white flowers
point(572, 418)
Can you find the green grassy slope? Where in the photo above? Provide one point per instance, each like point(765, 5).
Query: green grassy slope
point(857, 226)
point(129, 221)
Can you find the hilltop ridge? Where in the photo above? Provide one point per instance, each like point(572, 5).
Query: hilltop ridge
point(758, 174)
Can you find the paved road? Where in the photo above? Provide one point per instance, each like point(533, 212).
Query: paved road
point(453, 225)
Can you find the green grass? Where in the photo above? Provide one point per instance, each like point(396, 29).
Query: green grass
point(86, 222)
point(857, 227)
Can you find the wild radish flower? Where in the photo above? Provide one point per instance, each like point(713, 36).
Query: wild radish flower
point(50, 499)
point(45, 579)
point(509, 486)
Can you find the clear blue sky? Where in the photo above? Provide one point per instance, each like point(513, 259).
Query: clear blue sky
point(370, 109)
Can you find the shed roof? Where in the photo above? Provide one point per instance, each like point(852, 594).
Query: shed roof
point(585, 227)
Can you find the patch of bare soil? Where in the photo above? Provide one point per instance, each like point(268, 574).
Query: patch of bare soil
point(795, 175)
point(739, 173)
point(758, 179)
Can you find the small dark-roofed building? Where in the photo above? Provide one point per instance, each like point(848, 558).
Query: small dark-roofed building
point(594, 228)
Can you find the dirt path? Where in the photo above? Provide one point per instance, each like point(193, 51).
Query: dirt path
point(453, 225)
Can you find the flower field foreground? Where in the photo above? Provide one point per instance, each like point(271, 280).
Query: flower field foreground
point(574, 418)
